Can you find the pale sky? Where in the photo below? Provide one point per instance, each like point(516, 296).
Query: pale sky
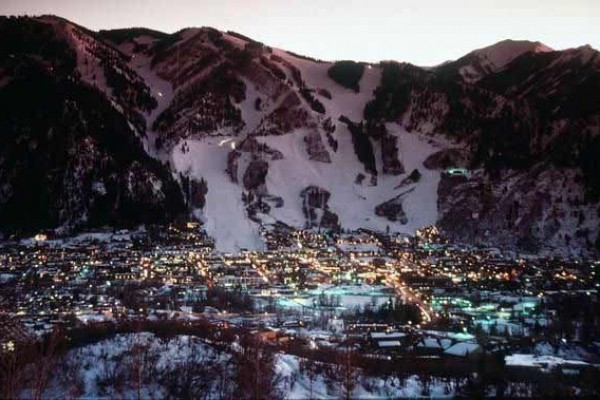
point(423, 32)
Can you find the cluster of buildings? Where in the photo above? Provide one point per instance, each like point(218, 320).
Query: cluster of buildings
point(323, 287)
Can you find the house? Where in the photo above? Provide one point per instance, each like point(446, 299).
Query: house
point(432, 346)
point(545, 364)
point(389, 344)
point(463, 350)
point(241, 281)
point(388, 339)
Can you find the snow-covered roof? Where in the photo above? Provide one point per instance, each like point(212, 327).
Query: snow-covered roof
point(389, 343)
point(433, 343)
point(359, 247)
point(462, 349)
point(531, 360)
point(387, 335)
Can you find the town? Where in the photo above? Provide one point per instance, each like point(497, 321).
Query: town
point(390, 297)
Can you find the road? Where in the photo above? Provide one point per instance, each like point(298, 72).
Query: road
point(429, 315)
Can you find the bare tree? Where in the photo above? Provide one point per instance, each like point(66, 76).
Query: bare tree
point(11, 372)
point(46, 362)
point(200, 374)
point(254, 369)
point(310, 368)
point(71, 378)
point(348, 374)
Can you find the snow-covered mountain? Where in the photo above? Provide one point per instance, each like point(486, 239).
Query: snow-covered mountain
point(253, 135)
point(491, 59)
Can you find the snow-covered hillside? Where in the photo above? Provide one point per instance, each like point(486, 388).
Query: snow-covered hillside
point(219, 91)
point(225, 213)
point(353, 203)
point(247, 135)
point(145, 366)
point(312, 155)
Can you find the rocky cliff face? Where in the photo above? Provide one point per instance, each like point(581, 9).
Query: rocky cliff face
point(95, 126)
point(542, 209)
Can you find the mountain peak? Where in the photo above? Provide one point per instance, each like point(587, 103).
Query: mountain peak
point(498, 55)
point(482, 62)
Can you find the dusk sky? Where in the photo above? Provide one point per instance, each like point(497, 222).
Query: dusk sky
point(424, 32)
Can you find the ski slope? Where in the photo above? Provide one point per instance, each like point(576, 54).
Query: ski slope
point(224, 214)
point(353, 203)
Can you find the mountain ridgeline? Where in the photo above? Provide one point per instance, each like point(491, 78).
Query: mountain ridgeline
point(134, 126)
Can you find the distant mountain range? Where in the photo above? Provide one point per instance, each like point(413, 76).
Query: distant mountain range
point(135, 126)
